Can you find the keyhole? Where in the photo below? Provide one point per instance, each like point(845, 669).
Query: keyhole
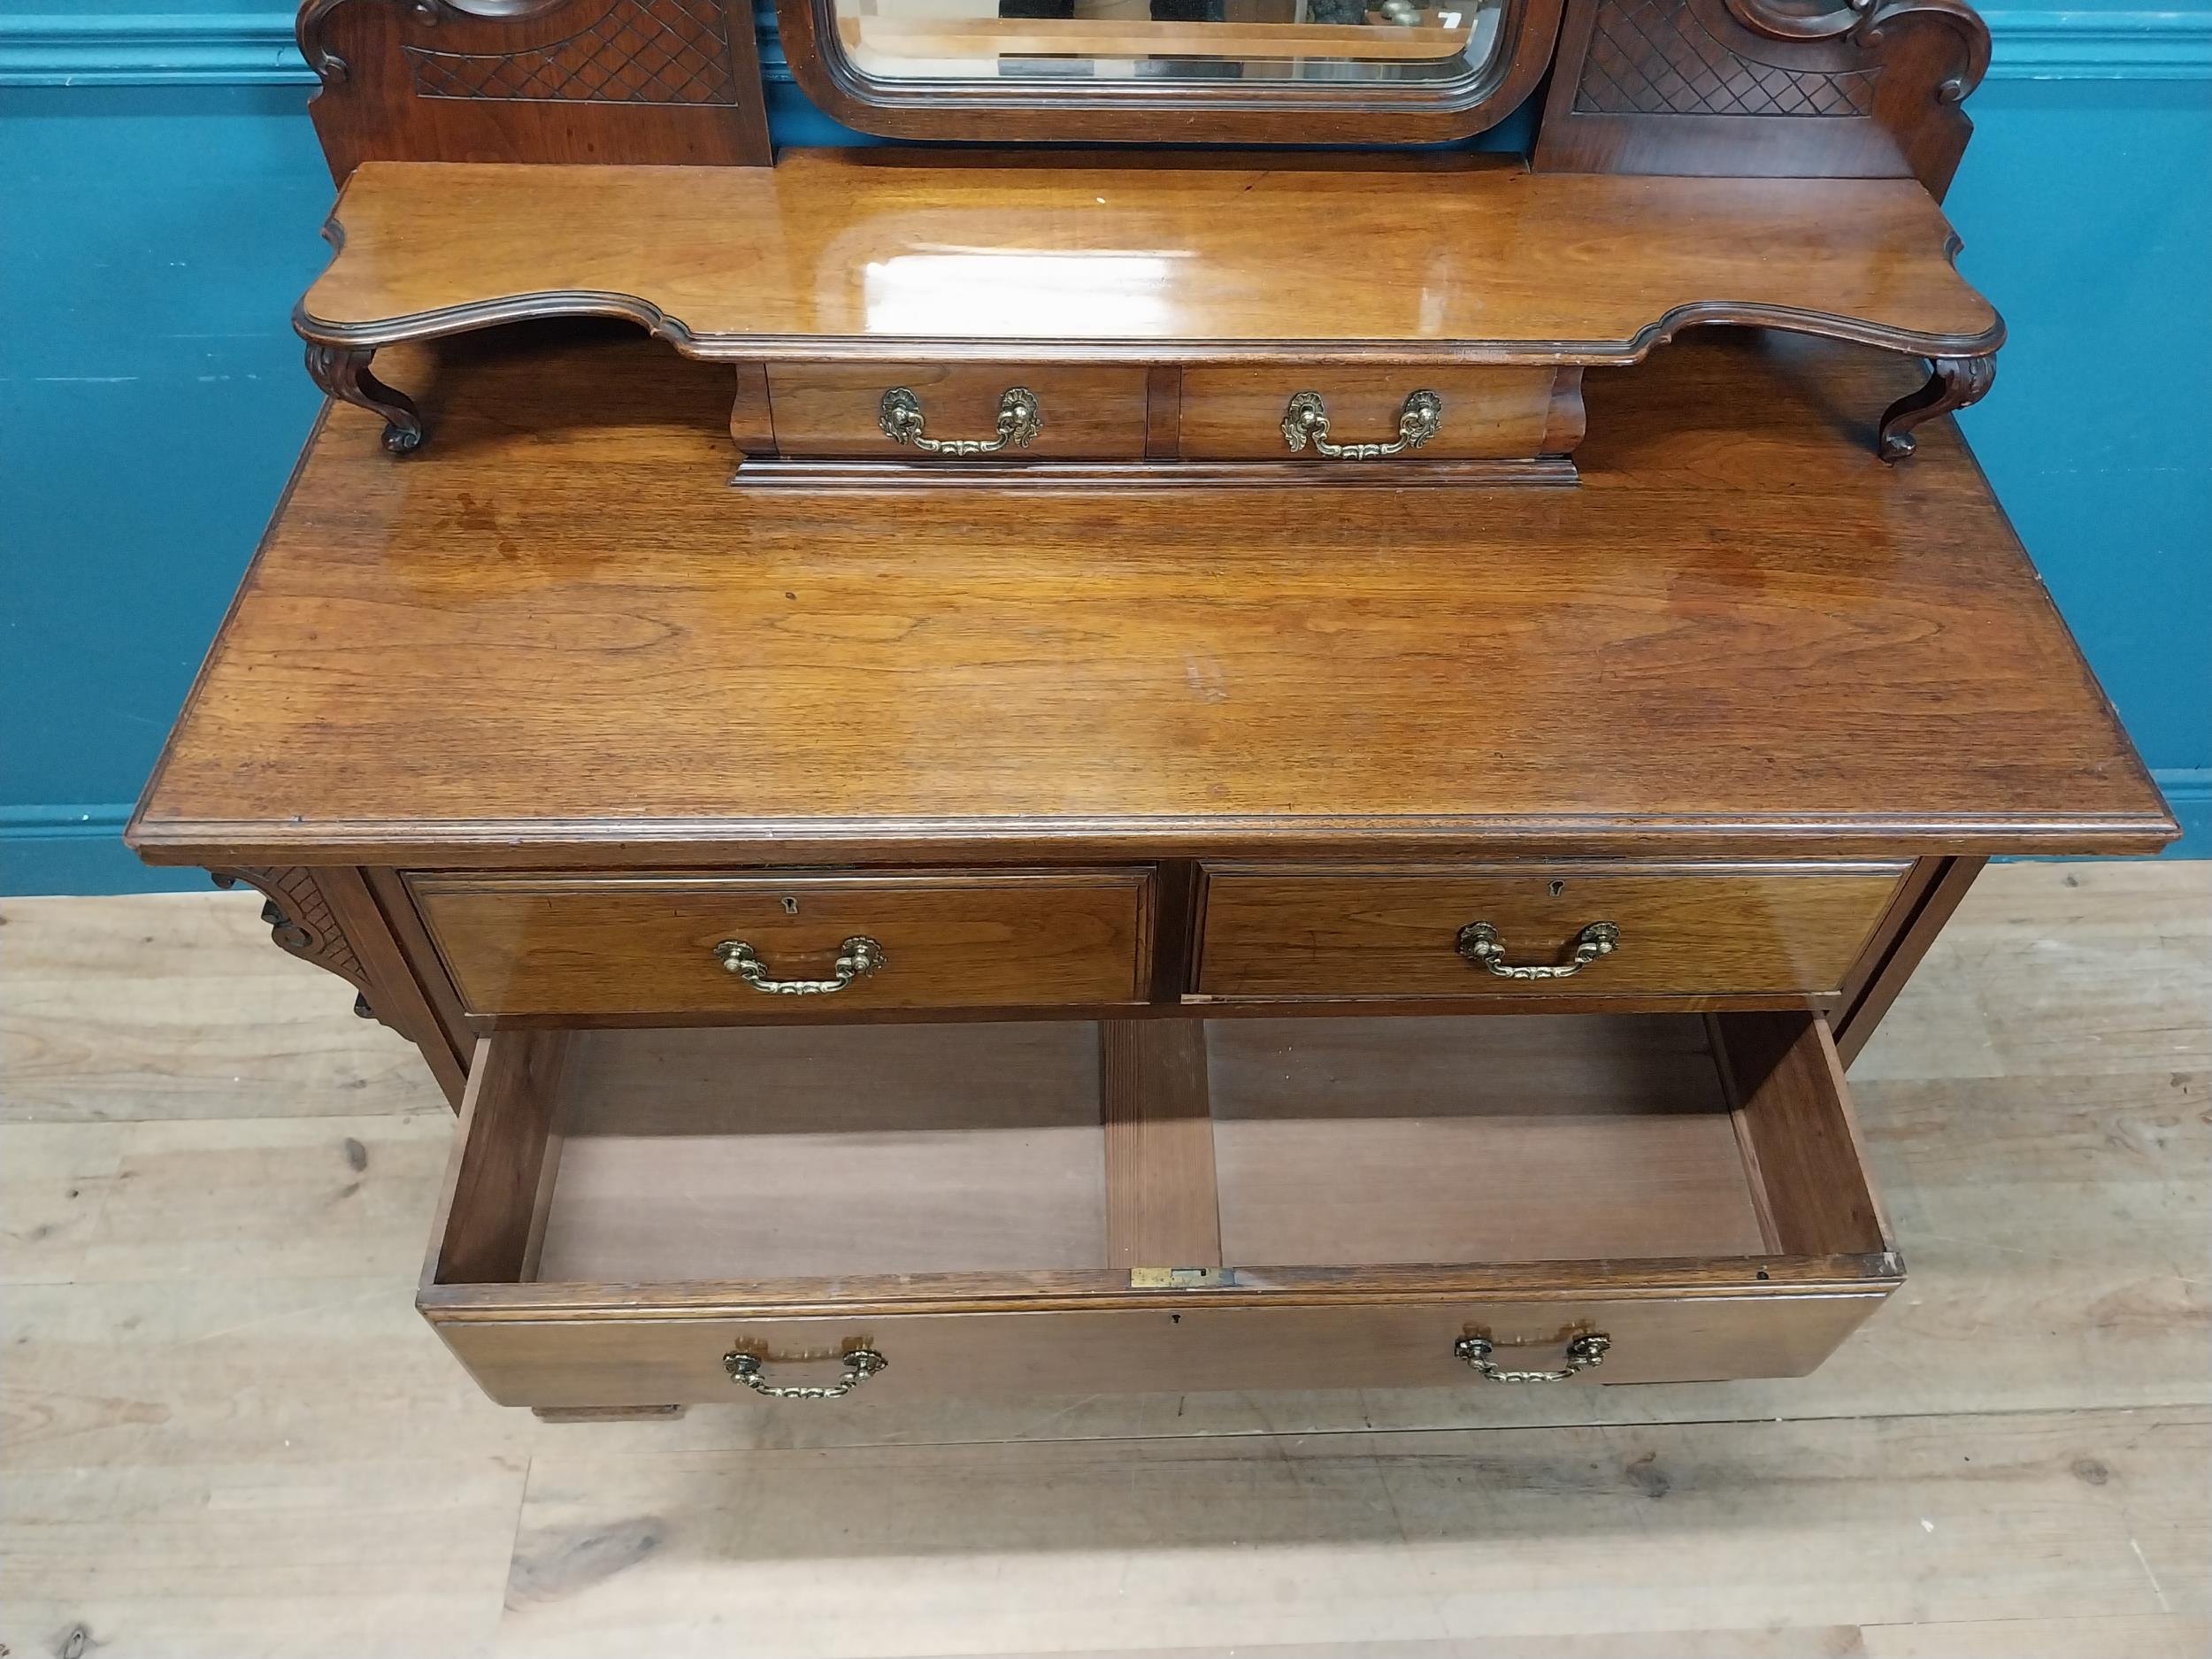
point(790, 906)
point(1558, 888)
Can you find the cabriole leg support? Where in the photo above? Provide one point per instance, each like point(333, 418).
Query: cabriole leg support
point(342, 372)
point(1956, 382)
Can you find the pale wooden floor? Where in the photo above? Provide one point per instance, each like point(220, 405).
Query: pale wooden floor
point(227, 1434)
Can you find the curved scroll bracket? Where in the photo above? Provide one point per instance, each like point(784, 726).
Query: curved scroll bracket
point(302, 924)
point(1865, 23)
point(307, 29)
point(330, 68)
point(1955, 383)
point(342, 372)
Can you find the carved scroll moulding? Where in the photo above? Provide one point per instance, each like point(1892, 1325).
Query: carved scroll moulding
point(301, 924)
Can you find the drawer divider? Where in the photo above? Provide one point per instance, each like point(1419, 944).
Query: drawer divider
point(1162, 1206)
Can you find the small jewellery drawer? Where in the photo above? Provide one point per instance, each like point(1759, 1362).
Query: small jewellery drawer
point(1475, 930)
point(1364, 413)
point(640, 1217)
point(790, 945)
point(919, 411)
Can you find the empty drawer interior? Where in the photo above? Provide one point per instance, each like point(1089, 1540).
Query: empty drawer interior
point(1079, 1153)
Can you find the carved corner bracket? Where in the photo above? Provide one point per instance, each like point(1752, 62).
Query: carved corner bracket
point(302, 924)
point(1954, 383)
point(342, 372)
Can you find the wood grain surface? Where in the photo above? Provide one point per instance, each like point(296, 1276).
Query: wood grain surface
point(650, 82)
point(1476, 1139)
point(873, 253)
point(1083, 411)
point(506, 1141)
point(1237, 413)
point(1163, 1208)
point(460, 658)
point(776, 1153)
point(640, 944)
point(1574, 1170)
point(1380, 932)
point(1905, 939)
point(1687, 88)
point(1800, 1136)
point(655, 1362)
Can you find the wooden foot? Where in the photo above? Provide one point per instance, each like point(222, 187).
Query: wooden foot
point(1956, 382)
point(605, 1413)
point(342, 372)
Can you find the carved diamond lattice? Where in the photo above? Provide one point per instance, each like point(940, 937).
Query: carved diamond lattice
point(1653, 58)
point(639, 51)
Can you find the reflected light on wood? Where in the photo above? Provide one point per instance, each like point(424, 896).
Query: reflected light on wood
point(1028, 292)
point(924, 39)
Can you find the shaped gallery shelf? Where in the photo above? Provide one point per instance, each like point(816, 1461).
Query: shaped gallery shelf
point(920, 318)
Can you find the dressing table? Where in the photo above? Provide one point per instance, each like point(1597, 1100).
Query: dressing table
point(1084, 755)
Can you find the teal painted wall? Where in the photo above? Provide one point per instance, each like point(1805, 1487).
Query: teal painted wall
point(2086, 209)
point(160, 192)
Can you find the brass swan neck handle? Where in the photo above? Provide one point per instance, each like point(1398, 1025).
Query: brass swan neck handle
point(1481, 944)
point(1019, 422)
point(1306, 420)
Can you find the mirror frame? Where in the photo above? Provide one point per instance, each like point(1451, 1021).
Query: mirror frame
point(1179, 111)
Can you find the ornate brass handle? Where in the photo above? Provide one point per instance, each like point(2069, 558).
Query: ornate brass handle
point(1480, 943)
point(857, 955)
point(860, 1364)
point(1019, 422)
point(1306, 421)
point(1585, 1353)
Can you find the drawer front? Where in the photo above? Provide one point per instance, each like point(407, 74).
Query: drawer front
point(614, 945)
point(1678, 930)
point(562, 1275)
point(599, 1362)
point(1083, 411)
point(1486, 413)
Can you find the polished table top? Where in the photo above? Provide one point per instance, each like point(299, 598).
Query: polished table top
point(843, 252)
point(559, 636)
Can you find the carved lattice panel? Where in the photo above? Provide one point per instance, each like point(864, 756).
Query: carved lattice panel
point(638, 51)
point(1654, 57)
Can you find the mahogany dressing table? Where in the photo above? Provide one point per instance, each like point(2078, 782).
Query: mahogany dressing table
point(1141, 769)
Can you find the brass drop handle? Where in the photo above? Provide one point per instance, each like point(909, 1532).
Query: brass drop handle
point(1019, 422)
point(860, 1364)
point(1306, 420)
point(1480, 943)
point(1585, 1353)
point(858, 957)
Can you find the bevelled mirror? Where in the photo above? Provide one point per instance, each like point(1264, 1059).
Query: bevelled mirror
point(1294, 72)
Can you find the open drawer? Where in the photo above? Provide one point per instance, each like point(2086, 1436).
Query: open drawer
point(645, 1218)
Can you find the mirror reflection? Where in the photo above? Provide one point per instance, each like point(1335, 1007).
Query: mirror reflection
point(1189, 40)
